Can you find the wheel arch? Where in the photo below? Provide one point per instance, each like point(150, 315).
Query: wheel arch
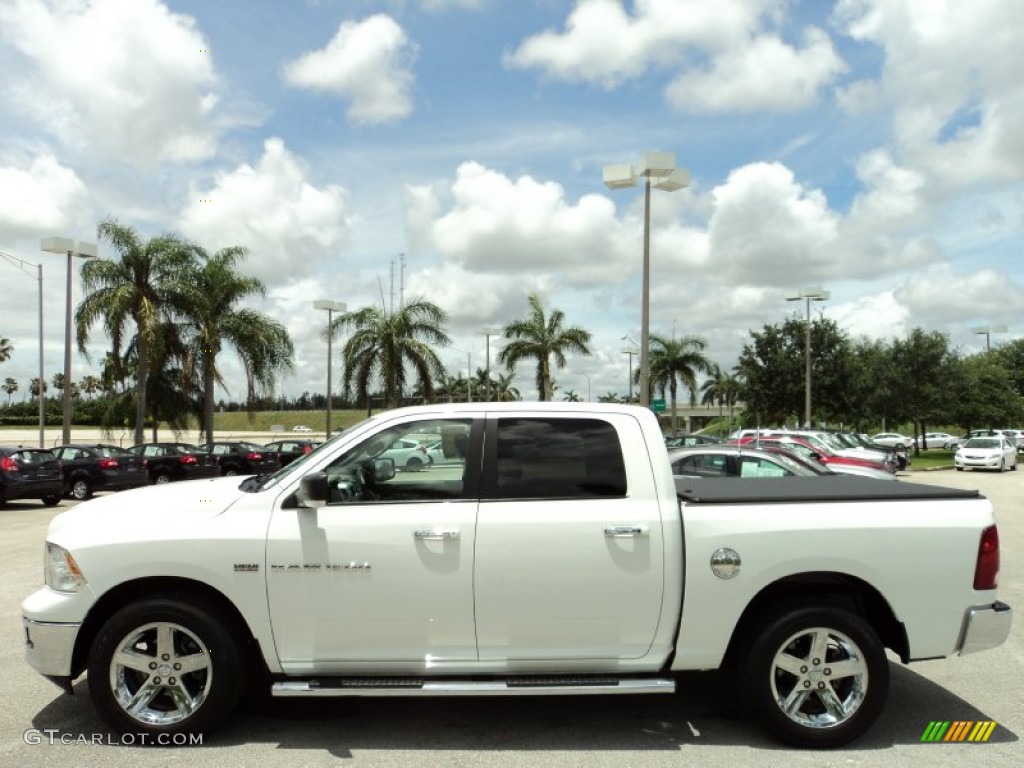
point(161, 586)
point(822, 588)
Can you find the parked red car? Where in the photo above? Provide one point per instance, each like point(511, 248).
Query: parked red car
point(820, 454)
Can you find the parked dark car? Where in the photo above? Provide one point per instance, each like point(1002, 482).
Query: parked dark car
point(685, 441)
point(90, 468)
point(288, 451)
point(242, 458)
point(30, 473)
point(168, 462)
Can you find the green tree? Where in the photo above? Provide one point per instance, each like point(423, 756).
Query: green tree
point(6, 348)
point(721, 388)
point(542, 337)
point(924, 366)
point(982, 394)
point(143, 287)
point(772, 367)
point(674, 362)
point(215, 320)
point(570, 396)
point(10, 387)
point(502, 390)
point(90, 385)
point(383, 343)
point(34, 387)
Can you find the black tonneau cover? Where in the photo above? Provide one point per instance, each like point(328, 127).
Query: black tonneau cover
point(770, 490)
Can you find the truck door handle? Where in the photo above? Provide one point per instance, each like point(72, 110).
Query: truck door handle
point(625, 531)
point(436, 534)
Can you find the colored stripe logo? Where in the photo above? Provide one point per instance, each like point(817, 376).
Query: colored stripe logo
point(958, 730)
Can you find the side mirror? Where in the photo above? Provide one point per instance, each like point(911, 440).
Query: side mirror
point(314, 490)
point(383, 470)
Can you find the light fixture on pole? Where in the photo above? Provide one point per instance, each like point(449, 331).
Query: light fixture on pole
point(21, 264)
point(83, 251)
point(987, 331)
point(658, 169)
point(808, 295)
point(331, 307)
point(630, 351)
point(487, 333)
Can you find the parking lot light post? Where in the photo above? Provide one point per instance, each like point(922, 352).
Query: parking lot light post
point(83, 251)
point(808, 295)
point(658, 169)
point(22, 264)
point(987, 331)
point(487, 333)
point(331, 307)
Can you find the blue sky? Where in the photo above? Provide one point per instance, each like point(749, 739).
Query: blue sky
point(871, 147)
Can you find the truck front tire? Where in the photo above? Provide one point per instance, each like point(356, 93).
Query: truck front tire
point(815, 676)
point(163, 666)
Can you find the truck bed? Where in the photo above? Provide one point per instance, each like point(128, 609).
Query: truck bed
point(768, 490)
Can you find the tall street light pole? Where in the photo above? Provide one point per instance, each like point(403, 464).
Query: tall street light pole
point(331, 307)
point(808, 295)
point(658, 169)
point(21, 264)
point(487, 333)
point(986, 331)
point(83, 251)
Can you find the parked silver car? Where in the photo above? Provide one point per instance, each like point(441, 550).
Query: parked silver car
point(995, 452)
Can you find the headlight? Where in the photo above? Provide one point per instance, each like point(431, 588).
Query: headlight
point(61, 571)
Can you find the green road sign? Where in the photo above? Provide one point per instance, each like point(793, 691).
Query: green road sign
point(658, 406)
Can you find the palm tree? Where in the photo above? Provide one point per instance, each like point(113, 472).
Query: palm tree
point(722, 388)
point(571, 396)
point(5, 349)
point(144, 286)
point(674, 362)
point(609, 397)
point(213, 319)
point(502, 390)
point(383, 343)
point(542, 337)
point(10, 387)
point(34, 388)
point(90, 385)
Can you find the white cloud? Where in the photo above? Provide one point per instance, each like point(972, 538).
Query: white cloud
point(952, 79)
point(39, 198)
point(126, 77)
point(369, 63)
point(746, 65)
point(769, 229)
point(767, 74)
point(497, 224)
point(288, 224)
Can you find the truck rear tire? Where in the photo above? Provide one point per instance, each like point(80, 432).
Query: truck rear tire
point(165, 666)
point(816, 676)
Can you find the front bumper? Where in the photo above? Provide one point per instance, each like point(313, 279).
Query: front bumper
point(49, 648)
point(985, 627)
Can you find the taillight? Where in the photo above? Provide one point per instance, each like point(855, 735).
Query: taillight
point(108, 464)
point(986, 572)
point(7, 464)
point(188, 459)
point(253, 456)
point(307, 449)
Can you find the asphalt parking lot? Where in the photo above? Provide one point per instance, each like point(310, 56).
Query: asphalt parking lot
point(698, 726)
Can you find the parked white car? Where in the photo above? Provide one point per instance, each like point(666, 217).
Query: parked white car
point(408, 455)
point(938, 440)
point(892, 440)
point(995, 452)
point(301, 428)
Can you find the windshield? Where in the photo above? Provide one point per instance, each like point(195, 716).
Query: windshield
point(269, 481)
point(982, 442)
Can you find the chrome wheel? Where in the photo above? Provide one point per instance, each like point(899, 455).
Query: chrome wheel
point(819, 678)
point(162, 479)
point(80, 490)
point(160, 674)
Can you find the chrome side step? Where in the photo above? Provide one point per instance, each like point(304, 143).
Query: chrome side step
point(518, 686)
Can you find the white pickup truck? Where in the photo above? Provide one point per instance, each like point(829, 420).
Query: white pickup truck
point(551, 553)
